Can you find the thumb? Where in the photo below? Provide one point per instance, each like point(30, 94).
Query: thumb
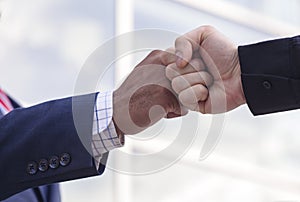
point(183, 51)
point(171, 115)
point(188, 43)
point(181, 111)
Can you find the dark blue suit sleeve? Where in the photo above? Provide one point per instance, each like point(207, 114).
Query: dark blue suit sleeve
point(271, 75)
point(49, 131)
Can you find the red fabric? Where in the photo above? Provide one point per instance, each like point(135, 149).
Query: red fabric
point(5, 104)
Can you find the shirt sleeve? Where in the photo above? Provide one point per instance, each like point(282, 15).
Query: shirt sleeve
point(105, 137)
point(271, 75)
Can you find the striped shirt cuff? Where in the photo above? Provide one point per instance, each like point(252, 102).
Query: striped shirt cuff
point(105, 137)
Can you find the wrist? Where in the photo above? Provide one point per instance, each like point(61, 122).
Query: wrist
point(118, 120)
point(240, 99)
point(122, 118)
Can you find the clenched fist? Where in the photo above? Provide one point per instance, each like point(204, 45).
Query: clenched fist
point(206, 75)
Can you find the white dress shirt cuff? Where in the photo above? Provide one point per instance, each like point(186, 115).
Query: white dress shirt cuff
point(105, 137)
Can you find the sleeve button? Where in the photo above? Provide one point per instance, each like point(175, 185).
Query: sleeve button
point(267, 85)
point(32, 168)
point(54, 162)
point(65, 159)
point(43, 165)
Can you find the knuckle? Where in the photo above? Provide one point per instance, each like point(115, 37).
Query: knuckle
point(156, 53)
point(167, 57)
point(176, 84)
point(183, 99)
point(170, 50)
point(171, 73)
point(207, 28)
point(187, 97)
point(178, 40)
point(202, 89)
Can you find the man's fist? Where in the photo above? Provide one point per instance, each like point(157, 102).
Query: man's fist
point(206, 75)
point(146, 95)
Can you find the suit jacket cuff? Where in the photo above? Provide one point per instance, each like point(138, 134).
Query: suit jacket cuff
point(271, 75)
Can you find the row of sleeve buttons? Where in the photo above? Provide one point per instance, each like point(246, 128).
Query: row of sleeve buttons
point(44, 164)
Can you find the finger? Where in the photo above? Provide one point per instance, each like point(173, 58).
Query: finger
point(158, 57)
point(171, 115)
point(184, 51)
point(196, 65)
point(189, 43)
point(183, 82)
point(168, 56)
point(170, 50)
point(201, 107)
point(181, 111)
point(191, 96)
point(152, 58)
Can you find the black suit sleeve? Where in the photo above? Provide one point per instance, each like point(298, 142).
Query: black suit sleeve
point(271, 75)
point(47, 143)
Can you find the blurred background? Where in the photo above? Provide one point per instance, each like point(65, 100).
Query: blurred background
point(44, 44)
